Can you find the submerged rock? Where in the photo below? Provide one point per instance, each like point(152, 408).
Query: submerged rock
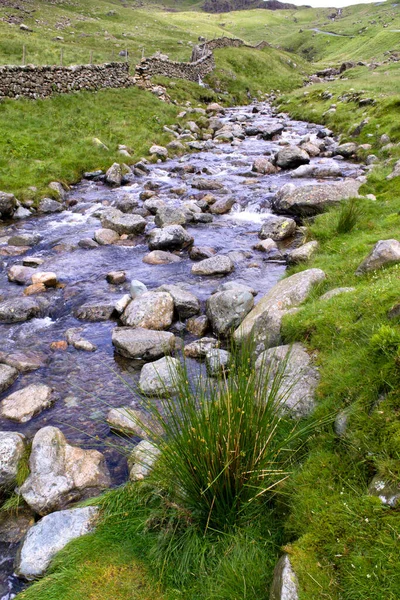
point(60, 473)
point(24, 404)
point(142, 344)
point(49, 536)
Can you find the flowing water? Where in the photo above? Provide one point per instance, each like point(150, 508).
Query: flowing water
point(87, 384)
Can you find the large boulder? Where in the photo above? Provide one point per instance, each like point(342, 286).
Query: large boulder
point(160, 377)
point(186, 304)
point(60, 473)
point(170, 237)
point(12, 449)
point(277, 228)
point(227, 309)
point(142, 344)
point(122, 223)
point(17, 310)
point(151, 310)
point(291, 157)
point(216, 265)
point(298, 381)
point(384, 253)
point(8, 205)
point(284, 584)
point(8, 375)
point(24, 404)
point(49, 536)
point(310, 200)
point(263, 323)
point(170, 215)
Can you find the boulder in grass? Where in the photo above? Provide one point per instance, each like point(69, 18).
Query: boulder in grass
point(310, 200)
point(388, 492)
point(384, 253)
point(303, 253)
point(284, 584)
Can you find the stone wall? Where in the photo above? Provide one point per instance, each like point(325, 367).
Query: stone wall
point(39, 82)
point(182, 70)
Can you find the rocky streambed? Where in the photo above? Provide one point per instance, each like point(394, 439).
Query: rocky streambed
point(117, 276)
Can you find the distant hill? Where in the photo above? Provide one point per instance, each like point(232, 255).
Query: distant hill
point(222, 6)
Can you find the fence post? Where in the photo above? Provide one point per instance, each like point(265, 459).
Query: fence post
point(23, 55)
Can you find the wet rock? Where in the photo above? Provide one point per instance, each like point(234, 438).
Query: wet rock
point(160, 377)
point(227, 309)
point(32, 261)
point(302, 254)
point(24, 239)
point(197, 325)
point(20, 274)
point(216, 265)
point(201, 183)
point(284, 584)
point(116, 277)
point(24, 404)
point(263, 323)
point(291, 157)
point(151, 310)
point(114, 175)
point(171, 237)
point(12, 449)
point(159, 151)
point(13, 527)
point(94, 312)
point(346, 150)
point(35, 288)
point(122, 223)
point(170, 215)
point(105, 236)
point(298, 382)
point(202, 218)
point(222, 206)
point(126, 420)
point(84, 345)
point(311, 149)
point(8, 374)
point(47, 205)
point(160, 257)
point(23, 361)
point(317, 171)
point(8, 204)
point(186, 304)
point(384, 253)
point(47, 278)
point(22, 213)
point(263, 165)
point(336, 292)
point(201, 252)
point(13, 250)
point(142, 459)
point(388, 492)
point(127, 204)
point(269, 248)
point(217, 362)
point(277, 228)
point(310, 200)
point(137, 288)
point(49, 536)
point(60, 345)
point(142, 344)
point(88, 244)
point(154, 204)
point(199, 348)
point(17, 310)
point(60, 473)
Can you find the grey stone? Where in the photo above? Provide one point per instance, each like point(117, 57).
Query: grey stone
point(263, 323)
point(298, 381)
point(170, 215)
point(284, 584)
point(127, 420)
point(395, 172)
point(263, 165)
point(217, 362)
point(336, 292)
point(384, 253)
point(216, 265)
point(137, 288)
point(60, 473)
point(142, 344)
point(24, 239)
point(154, 204)
point(17, 310)
point(114, 175)
point(105, 236)
point(222, 206)
point(160, 257)
point(8, 205)
point(20, 274)
point(171, 237)
point(201, 183)
point(160, 377)
point(227, 309)
point(49, 536)
point(235, 286)
point(159, 151)
point(388, 492)
point(186, 304)
point(24, 404)
point(341, 422)
point(88, 244)
point(151, 310)
point(8, 375)
point(47, 205)
point(122, 223)
point(277, 228)
point(310, 200)
point(291, 157)
point(199, 348)
point(197, 325)
point(94, 312)
point(58, 189)
point(12, 449)
point(24, 361)
point(303, 253)
point(142, 459)
point(201, 252)
point(346, 150)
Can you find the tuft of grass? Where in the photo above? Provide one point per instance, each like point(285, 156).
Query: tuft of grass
point(349, 215)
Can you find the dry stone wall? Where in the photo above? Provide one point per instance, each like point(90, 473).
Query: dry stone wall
point(39, 82)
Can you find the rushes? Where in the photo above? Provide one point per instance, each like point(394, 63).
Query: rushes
point(349, 216)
